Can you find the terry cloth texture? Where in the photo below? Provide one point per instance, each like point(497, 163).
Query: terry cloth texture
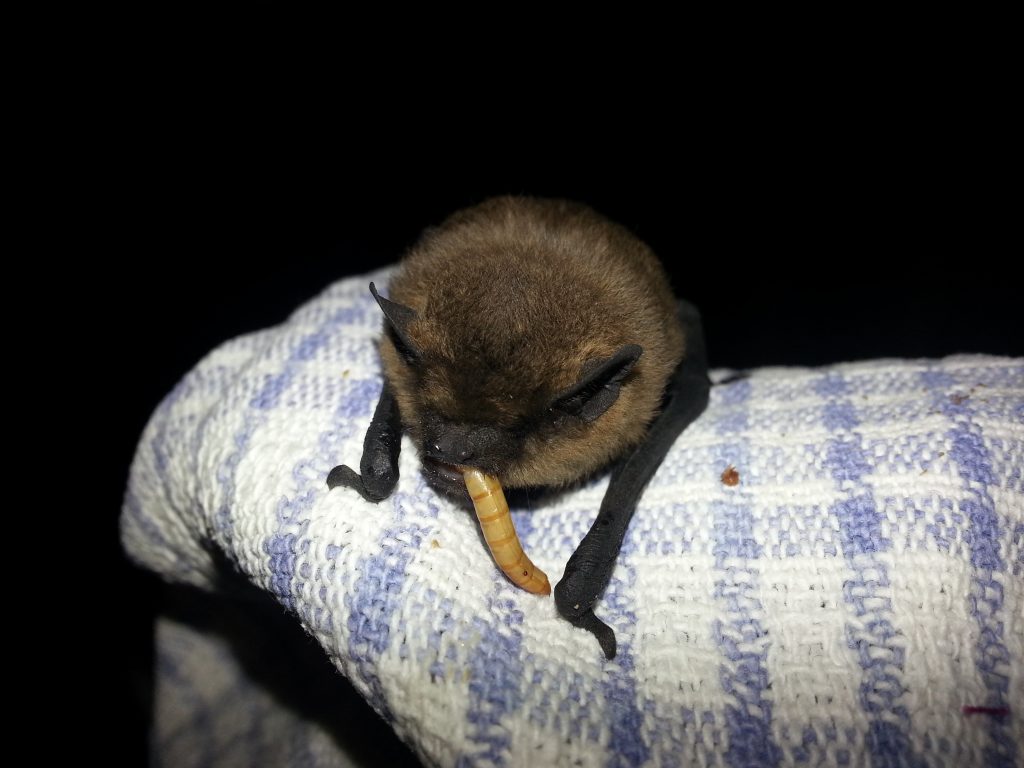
point(838, 606)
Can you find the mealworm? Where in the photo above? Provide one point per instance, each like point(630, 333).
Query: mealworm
point(500, 533)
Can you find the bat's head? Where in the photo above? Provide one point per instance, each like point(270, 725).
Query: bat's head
point(510, 392)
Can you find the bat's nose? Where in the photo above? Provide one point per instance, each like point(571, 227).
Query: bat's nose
point(451, 448)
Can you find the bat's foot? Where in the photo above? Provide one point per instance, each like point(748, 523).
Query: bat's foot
point(373, 486)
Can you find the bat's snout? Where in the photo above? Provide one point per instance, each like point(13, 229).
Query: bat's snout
point(460, 444)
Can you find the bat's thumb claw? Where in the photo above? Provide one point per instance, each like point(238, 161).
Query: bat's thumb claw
point(605, 635)
point(578, 611)
point(346, 476)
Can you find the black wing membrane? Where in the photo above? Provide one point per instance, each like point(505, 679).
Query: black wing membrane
point(381, 446)
point(590, 568)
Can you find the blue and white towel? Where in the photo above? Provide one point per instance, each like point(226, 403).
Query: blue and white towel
point(841, 605)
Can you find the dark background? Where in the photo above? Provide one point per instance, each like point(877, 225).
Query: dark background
point(803, 244)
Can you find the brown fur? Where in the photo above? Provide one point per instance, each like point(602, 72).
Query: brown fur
point(513, 297)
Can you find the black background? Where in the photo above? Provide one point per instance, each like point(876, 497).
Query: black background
point(814, 232)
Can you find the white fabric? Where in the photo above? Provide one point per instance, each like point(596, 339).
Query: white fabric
point(839, 606)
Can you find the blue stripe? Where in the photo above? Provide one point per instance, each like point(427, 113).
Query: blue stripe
point(268, 397)
point(133, 511)
point(618, 686)
point(496, 681)
point(158, 447)
point(377, 595)
point(565, 694)
point(200, 380)
point(627, 746)
point(617, 683)
point(985, 603)
point(874, 638)
point(497, 665)
point(1018, 544)
point(741, 639)
point(377, 592)
point(668, 748)
point(288, 542)
point(163, 413)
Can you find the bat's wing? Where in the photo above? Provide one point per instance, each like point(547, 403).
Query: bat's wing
point(379, 464)
point(590, 568)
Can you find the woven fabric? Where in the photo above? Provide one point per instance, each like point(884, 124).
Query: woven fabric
point(209, 711)
point(840, 604)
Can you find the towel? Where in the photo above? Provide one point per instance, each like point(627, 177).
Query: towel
point(828, 568)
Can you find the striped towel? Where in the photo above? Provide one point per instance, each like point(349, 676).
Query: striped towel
point(840, 605)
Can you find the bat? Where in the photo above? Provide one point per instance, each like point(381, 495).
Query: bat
point(539, 343)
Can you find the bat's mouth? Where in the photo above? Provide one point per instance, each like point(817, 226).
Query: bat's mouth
point(446, 478)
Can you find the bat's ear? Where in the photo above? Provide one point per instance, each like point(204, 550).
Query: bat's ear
point(598, 387)
point(399, 318)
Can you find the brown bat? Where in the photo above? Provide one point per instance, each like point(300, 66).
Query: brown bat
point(538, 342)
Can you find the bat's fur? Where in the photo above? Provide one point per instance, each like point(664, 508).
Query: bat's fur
point(537, 341)
point(515, 300)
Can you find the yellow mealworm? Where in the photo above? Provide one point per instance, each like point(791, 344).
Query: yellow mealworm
point(500, 533)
